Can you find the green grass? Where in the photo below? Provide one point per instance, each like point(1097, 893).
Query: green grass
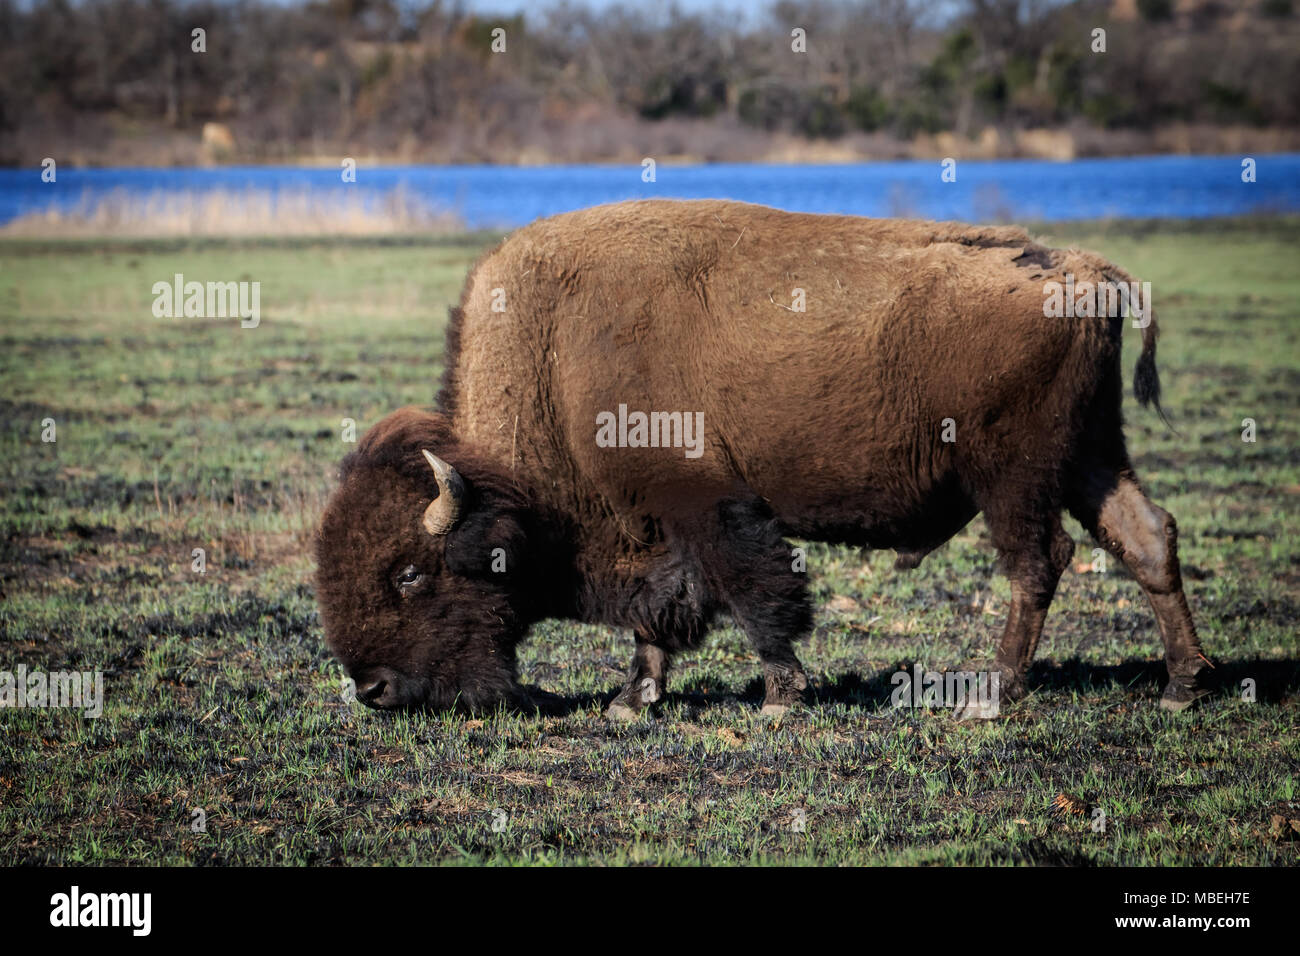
point(175, 434)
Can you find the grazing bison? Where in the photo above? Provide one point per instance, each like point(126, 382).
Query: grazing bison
point(643, 400)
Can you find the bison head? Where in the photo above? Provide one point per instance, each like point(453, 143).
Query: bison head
point(417, 556)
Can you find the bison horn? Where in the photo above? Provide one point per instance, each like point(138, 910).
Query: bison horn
point(441, 515)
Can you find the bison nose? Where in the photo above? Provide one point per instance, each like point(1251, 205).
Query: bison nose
point(372, 692)
point(380, 689)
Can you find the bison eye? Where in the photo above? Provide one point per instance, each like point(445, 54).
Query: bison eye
point(409, 577)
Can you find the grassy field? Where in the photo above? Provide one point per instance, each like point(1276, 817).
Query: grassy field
point(176, 434)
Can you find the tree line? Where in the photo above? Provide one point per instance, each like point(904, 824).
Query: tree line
point(428, 79)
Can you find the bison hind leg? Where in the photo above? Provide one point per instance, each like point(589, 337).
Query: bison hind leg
point(1111, 506)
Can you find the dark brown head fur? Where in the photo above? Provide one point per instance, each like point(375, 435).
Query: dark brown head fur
point(418, 619)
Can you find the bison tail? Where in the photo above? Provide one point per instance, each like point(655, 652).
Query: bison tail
point(1146, 380)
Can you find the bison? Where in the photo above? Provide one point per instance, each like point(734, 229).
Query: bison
point(643, 401)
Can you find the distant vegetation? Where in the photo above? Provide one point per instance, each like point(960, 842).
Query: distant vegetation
point(118, 81)
point(236, 212)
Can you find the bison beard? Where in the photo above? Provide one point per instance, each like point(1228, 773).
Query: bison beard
point(452, 531)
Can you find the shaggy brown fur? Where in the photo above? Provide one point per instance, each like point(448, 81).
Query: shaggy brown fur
point(825, 424)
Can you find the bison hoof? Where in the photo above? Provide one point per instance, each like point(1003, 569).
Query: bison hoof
point(785, 689)
point(1011, 682)
point(1178, 696)
point(622, 712)
point(634, 699)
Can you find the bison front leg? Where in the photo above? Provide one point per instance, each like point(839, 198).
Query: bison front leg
point(646, 682)
point(752, 569)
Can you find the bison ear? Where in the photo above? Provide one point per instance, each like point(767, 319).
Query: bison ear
point(486, 543)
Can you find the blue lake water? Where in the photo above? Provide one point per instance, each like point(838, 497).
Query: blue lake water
point(1182, 187)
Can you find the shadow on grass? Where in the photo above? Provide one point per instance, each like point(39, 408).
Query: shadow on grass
point(1274, 680)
